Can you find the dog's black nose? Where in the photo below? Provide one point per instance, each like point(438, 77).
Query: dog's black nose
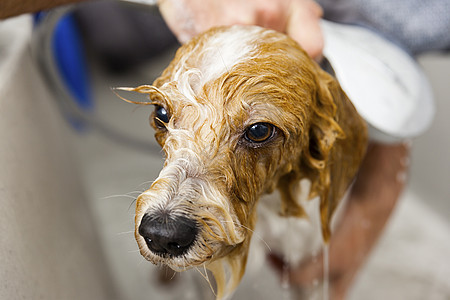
point(166, 235)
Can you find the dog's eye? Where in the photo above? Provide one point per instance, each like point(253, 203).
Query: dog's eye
point(259, 132)
point(161, 116)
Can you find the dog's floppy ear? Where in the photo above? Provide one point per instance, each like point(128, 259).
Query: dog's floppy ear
point(336, 143)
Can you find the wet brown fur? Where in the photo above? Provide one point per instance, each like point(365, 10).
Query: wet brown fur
point(319, 136)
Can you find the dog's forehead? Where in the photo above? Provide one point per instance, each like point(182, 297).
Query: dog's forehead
point(232, 72)
point(215, 53)
point(227, 48)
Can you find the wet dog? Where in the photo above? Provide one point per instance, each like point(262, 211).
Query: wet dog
point(240, 112)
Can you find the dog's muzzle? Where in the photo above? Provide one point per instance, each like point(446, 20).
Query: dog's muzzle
point(166, 235)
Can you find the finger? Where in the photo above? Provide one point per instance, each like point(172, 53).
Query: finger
point(176, 18)
point(304, 26)
point(272, 14)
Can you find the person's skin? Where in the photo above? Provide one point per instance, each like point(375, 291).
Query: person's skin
point(380, 181)
point(381, 177)
point(297, 18)
point(186, 18)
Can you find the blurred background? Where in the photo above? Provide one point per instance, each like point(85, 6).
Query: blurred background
point(74, 157)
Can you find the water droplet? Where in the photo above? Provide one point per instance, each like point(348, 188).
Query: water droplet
point(405, 161)
point(401, 177)
point(285, 277)
point(408, 143)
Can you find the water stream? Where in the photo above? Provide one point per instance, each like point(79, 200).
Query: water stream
point(326, 272)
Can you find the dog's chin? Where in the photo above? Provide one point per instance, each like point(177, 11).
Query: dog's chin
point(194, 257)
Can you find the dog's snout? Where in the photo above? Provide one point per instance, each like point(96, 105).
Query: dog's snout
point(165, 235)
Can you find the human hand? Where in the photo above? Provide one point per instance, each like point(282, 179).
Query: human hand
point(374, 194)
point(297, 18)
point(304, 278)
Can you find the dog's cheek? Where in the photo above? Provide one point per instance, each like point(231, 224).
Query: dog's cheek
point(254, 171)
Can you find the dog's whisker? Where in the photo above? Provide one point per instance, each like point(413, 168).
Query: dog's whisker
point(135, 192)
point(206, 277)
point(254, 233)
point(116, 196)
point(133, 251)
point(132, 202)
point(173, 275)
point(209, 280)
point(149, 182)
point(206, 271)
point(125, 232)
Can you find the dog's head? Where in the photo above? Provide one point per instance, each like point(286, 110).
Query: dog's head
point(239, 112)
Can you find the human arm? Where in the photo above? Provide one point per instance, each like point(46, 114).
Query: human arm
point(10, 8)
point(372, 199)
